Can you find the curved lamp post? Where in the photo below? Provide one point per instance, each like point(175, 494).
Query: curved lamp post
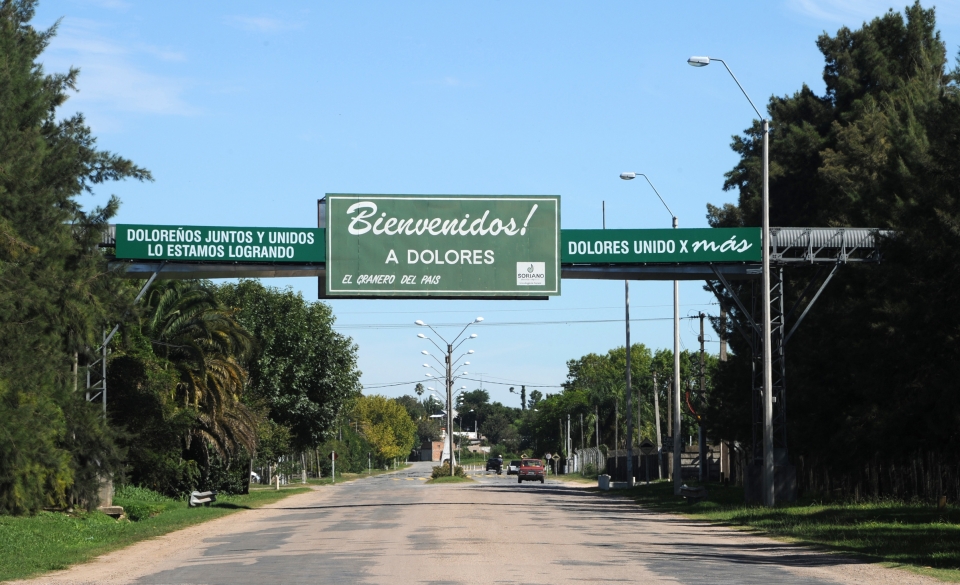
point(677, 475)
point(768, 489)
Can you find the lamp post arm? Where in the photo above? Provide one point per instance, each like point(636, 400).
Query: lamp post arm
point(459, 334)
point(752, 105)
point(670, 211)
point(437, 333)
point(434, 344)
point(439, 362)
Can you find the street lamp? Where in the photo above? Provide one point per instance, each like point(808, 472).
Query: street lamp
point(677, 475)
point(450, 348)
point(769, 497)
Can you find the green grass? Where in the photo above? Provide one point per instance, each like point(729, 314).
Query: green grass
point(450, 479)
point(917, 537)
point(573, 478)
point(55, 540)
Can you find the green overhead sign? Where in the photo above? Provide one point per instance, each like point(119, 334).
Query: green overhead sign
point(219, 244)
point(442, 245)
point(661, 246)
point(418, 245)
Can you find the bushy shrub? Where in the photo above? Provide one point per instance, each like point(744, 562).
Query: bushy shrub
point(137, 511)
point(139, 503)
point(141, 494)
point(444, 470)
point(590, 470)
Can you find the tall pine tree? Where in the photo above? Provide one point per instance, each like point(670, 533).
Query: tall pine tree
point(56, 294)
point(872, 401)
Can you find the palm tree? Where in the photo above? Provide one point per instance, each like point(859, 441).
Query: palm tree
point(187, 327)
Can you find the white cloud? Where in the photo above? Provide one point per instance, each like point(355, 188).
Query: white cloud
point(115, 77)
point(853, 13)
point(261, 23)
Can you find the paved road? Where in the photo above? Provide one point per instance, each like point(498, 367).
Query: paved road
point(394, 529)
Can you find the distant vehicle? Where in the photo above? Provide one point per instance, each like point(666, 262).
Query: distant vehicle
point(514, 467)
point(495, 464)
point(254, 477)
point(530, 470)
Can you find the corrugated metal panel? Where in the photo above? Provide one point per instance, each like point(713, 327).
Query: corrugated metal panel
point(825, 244)
point(824, 237)
point(110, 236)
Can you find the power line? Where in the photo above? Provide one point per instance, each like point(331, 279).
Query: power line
point(516, 383)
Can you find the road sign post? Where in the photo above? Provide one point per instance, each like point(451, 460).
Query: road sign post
point(647, 448)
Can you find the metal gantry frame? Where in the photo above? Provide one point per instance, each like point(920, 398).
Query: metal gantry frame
point(825, 248)
point(98, 388)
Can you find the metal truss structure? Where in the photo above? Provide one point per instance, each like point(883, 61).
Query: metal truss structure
point(824, 248)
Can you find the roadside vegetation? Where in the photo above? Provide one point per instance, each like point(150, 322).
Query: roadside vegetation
point(204, 382)
point(53, 540)
point(449, 479)
point(915, 536)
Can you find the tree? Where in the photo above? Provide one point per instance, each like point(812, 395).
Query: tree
point(186, 326)
point(878, 149)
point(56, 295)
point(386, 426)
point(301, 369)
point(535, 397)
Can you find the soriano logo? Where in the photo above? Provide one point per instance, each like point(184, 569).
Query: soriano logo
point(531, 273)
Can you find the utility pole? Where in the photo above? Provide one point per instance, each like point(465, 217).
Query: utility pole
point(449, 361)
point(523, 397)
point(656, 418)
point(626, 288)
point(670, 462)
point(596, 421)
point(581, 432)
point(569, 440)
point(677, 439)
point(723, 334)
point(702, 438)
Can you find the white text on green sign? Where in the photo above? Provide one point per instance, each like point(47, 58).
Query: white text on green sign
point(443, 245)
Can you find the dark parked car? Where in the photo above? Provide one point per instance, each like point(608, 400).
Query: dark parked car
point(514, 467)
point(495, 464)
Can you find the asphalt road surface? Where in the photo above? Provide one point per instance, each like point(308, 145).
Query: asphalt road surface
point(395, 529)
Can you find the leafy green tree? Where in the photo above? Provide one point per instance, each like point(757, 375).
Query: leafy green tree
point(386, 426)
point(152, 422)
point(56, 295)
point(302, 370)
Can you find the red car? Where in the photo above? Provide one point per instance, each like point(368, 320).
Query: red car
point(530, 470)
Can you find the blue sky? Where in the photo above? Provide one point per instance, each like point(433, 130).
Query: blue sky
point(248, 113)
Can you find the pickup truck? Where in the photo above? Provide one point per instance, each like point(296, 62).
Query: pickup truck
point(530, 470)
point(495, 464)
